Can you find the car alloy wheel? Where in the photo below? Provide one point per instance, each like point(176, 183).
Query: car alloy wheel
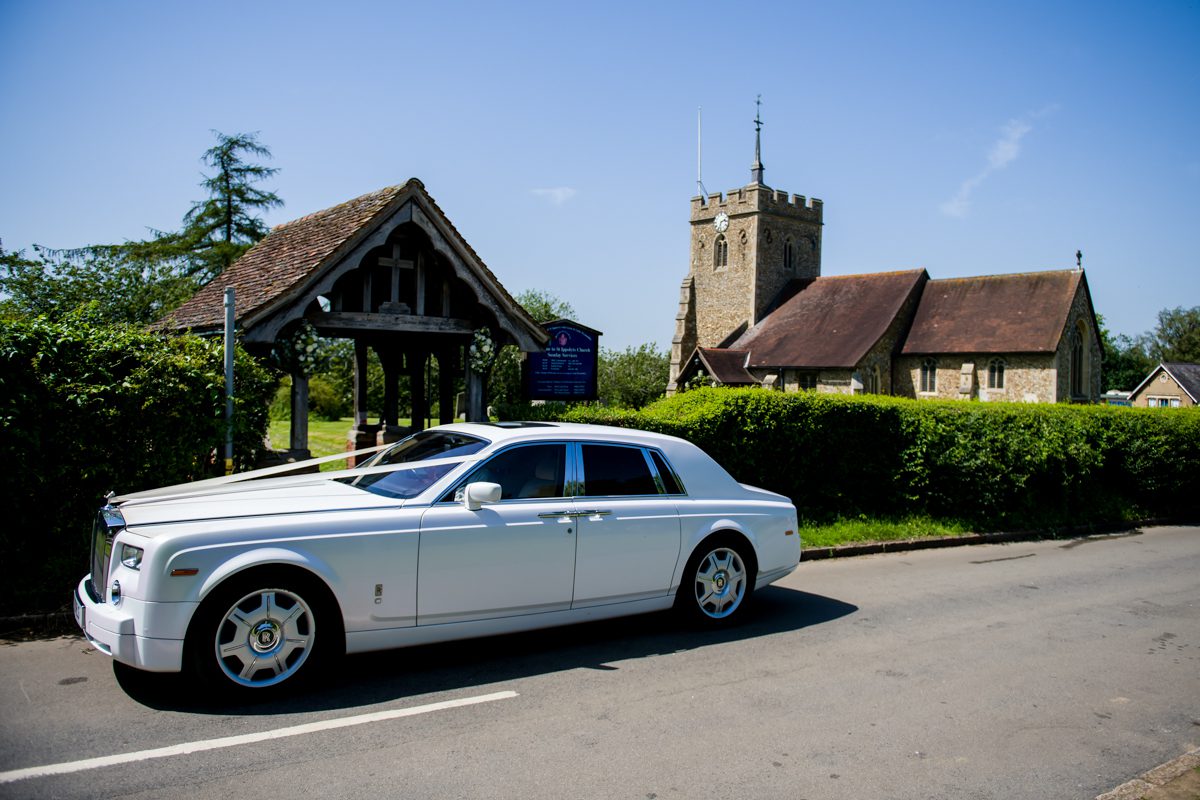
point(265, 638)
point(720, 583)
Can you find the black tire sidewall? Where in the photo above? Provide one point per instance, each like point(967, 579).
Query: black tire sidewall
point(685, 600)
point(201, 661)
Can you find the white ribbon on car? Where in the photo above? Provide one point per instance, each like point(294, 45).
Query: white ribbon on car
point(259, 479)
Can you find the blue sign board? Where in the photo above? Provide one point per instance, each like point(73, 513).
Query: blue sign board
point(566, 369)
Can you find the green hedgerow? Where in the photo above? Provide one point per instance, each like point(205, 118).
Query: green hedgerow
point(994, 465)
point(87, 408)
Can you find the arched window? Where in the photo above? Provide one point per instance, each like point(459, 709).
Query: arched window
point(789, 255)
point(1079, 380)
point(720, 252)
point(996, 373)
point(929, 375)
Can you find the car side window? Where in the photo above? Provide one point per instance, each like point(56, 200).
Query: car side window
point(525, 473)
point(610, 470)
point(670, 482)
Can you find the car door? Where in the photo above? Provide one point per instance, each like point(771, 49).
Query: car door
point(509, 558)
point(629, 534)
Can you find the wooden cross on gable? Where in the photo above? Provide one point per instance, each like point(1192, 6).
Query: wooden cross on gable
point(396, 263)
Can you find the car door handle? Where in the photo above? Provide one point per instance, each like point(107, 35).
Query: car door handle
point(561, 514)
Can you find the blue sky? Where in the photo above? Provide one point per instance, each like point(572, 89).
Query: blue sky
point(966, 138)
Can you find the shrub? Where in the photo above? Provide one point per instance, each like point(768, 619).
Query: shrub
point(326, 400)
point(993, 465)
point(87, 408)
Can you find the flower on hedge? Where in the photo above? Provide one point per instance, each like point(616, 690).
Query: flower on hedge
point(301, 352)
point(482, 353)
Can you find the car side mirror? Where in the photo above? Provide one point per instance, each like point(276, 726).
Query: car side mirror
point(476, 494)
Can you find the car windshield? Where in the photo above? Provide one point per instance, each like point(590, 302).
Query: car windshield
point(426, 445)
point(410, 481)
point(403, 483)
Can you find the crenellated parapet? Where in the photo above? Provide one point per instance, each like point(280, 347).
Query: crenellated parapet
point(757, 199)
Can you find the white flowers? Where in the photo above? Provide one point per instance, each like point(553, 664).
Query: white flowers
point(482, 352)
point(300, 353)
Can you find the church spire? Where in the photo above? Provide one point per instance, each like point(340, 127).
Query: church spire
point(756, 170)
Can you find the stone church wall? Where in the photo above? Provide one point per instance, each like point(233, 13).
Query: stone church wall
point(1080, 312)
point(1027, 377)
point(731, 298)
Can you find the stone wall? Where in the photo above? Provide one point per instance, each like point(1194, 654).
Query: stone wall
point(718, 303)
point(683, 343)
point(1028, 378)
point(1081, 312)
point(731, 298)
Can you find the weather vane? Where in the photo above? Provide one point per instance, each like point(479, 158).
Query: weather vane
point(756, 171)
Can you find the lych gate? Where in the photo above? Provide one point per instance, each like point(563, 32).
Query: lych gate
point(387, 270)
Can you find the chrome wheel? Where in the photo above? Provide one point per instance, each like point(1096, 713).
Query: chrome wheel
point(265, 638)
point(720, 583)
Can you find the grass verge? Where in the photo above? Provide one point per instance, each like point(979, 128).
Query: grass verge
point(864, 529)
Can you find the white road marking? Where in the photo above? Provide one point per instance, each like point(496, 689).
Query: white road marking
point(248, 738)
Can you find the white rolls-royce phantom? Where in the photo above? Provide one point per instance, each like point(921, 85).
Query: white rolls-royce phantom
point(253, 581)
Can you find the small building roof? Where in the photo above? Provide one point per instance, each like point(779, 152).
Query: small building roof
point(294, 255)
point(1019, 313)
point(284, 257)
point(830, 322)
point(1185, 374)
point(727, 366)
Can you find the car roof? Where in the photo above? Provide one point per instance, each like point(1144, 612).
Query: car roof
point(504, 432)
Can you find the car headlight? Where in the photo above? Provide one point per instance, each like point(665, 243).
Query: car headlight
point(131, 556)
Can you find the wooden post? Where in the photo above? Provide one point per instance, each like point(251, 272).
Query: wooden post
point(299, 431)
point(360, 382)
point(476, 408)
point(447, 368)
point(391, 362)
point(416, 385)
point(363, 434)
point(420, 304)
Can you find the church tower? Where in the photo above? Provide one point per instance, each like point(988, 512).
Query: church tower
point(745, 248)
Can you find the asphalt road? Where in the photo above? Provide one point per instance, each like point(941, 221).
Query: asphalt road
point(1033, 670)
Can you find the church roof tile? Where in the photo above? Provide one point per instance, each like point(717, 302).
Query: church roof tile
point(1018, 313)
point(829, 322)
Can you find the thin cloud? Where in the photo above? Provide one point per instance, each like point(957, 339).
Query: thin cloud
point(557, 196)
point(1003, 152)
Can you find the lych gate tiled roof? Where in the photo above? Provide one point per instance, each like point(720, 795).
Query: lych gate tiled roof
point(1021, 313)
point(727, 366)
point(293, 253)
point(289, 254)
point(829, 322)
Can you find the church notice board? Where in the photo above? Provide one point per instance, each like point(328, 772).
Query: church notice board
point(566, 369)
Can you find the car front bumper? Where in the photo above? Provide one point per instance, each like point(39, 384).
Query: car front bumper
point(120, 631)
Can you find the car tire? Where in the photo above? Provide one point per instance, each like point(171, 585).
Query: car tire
point(263, 633)
point(717, 582)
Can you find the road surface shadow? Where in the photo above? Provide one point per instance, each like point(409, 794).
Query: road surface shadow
point(371, 678)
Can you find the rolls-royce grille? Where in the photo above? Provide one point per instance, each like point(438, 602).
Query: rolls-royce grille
point(108, 524)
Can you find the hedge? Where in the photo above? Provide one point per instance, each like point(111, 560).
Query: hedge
point(992, 465)
point(87, 408)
